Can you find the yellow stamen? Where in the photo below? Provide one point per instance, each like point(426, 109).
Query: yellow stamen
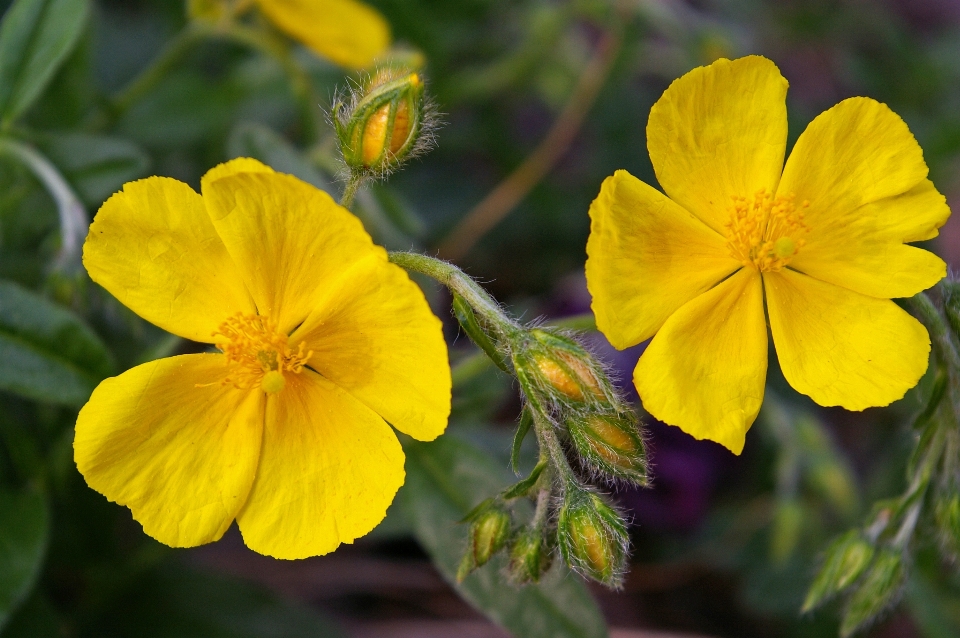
point(766, 232)
point(257, 353)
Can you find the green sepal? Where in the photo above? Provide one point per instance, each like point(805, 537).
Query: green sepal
point(468, 321)
point(475, 513)
point(592, 537)
point(937, 392)
point(878, 590)
point(530, 557)
point(845, 559)
point(524, 487)
point(526, 422)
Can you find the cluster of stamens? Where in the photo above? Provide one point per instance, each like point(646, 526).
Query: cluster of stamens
point(766, 231)
point(258, 353)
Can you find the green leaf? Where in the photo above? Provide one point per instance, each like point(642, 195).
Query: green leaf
point(96, 166)
point(48, 353)
point(179, 603)
point(24, 532)
point(36, 36)
point(446, 477)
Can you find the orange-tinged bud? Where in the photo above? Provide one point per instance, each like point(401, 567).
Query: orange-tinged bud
point(569, 376)
point(592, 538)
point(610, 444)
point(384, 124)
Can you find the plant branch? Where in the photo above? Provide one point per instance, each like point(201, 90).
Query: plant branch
point(511, 191)
point(461, 284)
point(73, 217)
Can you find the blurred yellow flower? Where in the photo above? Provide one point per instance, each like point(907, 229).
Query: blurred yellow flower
point(347, 32)
point(322, 340)
point(821, 239)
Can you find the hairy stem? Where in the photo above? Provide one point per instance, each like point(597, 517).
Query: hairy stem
point(350, 191)
point(458, 282)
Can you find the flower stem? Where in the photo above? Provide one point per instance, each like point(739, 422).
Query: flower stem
point(511, 191)
point(350, 191)
point(461, 284)
point(73, 217)
point(939, 332)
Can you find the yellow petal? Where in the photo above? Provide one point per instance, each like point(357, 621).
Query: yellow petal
point(840, 347)
point(153, 247)
point(863, 174)
point(647, 256)
point(719, 132)
point(864, 251)
point(374, 335)
point(288, 238)
point(347, 32)
point(706, 368)
point(329, 469)
point(234, 166)
point(182, 458)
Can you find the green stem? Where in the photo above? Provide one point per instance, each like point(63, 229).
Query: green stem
point(458, 282)
point(350, 191)
point(939, 332)
point(73, 217)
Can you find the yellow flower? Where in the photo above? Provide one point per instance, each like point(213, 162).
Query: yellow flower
point(347, 32)
point(322, 340)
point(820, 239)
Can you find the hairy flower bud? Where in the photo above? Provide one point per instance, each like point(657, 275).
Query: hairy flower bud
point(845, 560)
point(489, 533)
point(530, 557)
point(877, 591)
point(610, 444)
point(592, 538)
point(383, 125)
point(565, 369)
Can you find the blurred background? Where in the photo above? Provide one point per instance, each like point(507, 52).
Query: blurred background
point(541, 101)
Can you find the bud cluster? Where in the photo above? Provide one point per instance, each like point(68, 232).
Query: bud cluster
point(586, 434)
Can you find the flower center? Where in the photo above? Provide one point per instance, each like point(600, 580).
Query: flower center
point(766, 232)
point(258, 353)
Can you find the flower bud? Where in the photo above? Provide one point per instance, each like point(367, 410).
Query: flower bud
point(383, 126)
point(611, 445)
point(530, 557)
point(566, 369)
point(845, 560)
point(592, 538)
point(878, 590)
point(489, 532)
